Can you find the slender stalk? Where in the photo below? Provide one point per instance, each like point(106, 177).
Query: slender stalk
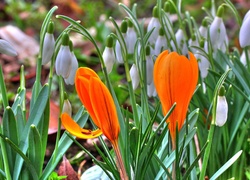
point(120, 164)
point(247, 58)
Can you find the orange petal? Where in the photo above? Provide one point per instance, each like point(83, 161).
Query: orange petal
point(175, 79)
point(74, 129)
point(83, 76)
point(104, 108)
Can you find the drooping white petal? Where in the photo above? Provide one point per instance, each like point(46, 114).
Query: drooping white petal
point(160, 44)
point(74, 66)
point(221, 111)
point(134, 76)
point(218, 36)
point(244, 36)
point(203, 31)
point(131, 39)
point(109, 58)
point(6, 48)
point(204, 64)
point(153, 23)
point(151, 91)
point(181, 42)
point(118, 52)
point(63, 61)
point(48, 48)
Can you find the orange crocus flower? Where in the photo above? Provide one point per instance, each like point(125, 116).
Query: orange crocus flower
point(98, 101)
point(175, 78)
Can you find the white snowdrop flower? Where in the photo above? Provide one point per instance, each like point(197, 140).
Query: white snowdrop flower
point(6, 48)
point(243, 58)
point(193, 42)
point(244, 36)
point(181, 42)
point(67, 107)
point(203, 64)
point(217, 30)
point(149, 66)
point(221, 108)
point(48, 44)
point(74, 66)
point(118, 50)
point(203, 28)
point(151, 91)
point(131, 37)
point(161, 43)
point(64, 58)
point(134, 76)
point(109, 55)
point(154, 23)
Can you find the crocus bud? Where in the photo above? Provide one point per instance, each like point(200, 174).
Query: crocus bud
point(6, 48)
point(244, 36)
point(221, 108)
point(149, 66)
point(161, 43)
point(217, 30)
point(64, 58)
point(134, 76)
point(118, 51)
point(74, 66)
point(108, 54)
point(48, 44)
point(154, 23)
point(131, 37)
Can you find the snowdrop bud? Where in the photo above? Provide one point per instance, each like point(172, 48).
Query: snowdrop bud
point(134, 76)
point(67, 106)
point(203, 28)
point(218, 36)
point(154, 23)
point(64, 58)
point(244, 36)
point(149, 66)
point(74, 66)
point(6, 48)
point(118, 51)
point(131, 37)
point(108, 54)
point(221, 108)
point(48, 44)
point(161, 43)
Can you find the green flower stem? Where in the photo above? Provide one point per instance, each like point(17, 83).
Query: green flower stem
point(5, 158)
point(212, 126)
point(247, 58)
point(3, 89)
point(120, 164)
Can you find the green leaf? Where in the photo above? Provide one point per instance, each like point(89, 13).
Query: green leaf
point(35, 153)
point(36, 114)
point(226, 165)
point(10, 131)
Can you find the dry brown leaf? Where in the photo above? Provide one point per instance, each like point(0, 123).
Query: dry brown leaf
point(65, 169)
